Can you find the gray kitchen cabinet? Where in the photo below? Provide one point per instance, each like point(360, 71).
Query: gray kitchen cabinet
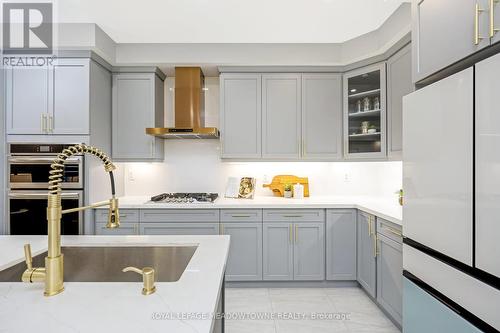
point(26, 99)
point(277, 251)
point(137, 104)
point(240, 115)
point(367, 253)
point(341, 245)
point(309, 251)
point(321, 116)
point(293, 244)
point(364, 102)
point(183, 228)
point(71, 97)
point(399, 84)
point(244, 261)
point(123, 230)
point(50, 100)
point(390, 276)
point(444, 32)
point(281, 116)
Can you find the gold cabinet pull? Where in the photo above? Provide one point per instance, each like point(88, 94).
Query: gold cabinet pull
point(290, 229)
point(241, 216)
point(296, 234)
point(50, 124)
point(148, 278)
point(221, 231)
point(43, 122)
point(393, 231)
point(493, 30)
point(478, 11)
point(292, 215)
point(369, 225)
point(375, 246)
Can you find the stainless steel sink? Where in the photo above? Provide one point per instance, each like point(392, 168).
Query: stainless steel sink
point(105, 264)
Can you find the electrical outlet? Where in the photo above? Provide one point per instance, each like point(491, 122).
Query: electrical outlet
point(131, 176)
point(347, 177)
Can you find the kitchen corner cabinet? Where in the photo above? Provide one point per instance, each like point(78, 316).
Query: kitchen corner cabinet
point(294, 245)
point(341, 244)
point(49, 100)
point(281, 116)
point(364, 113)
point(240, 115)
point(444, 32)
point(321, 116)
point(399, 84)
point(367, 253)
point(137, 104)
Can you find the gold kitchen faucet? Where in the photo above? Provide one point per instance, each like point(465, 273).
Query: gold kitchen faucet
point(53, 272)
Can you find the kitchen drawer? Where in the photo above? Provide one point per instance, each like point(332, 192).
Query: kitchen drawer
point(179, 215)
point(241, 215)
point(126, 215)
point(390, 230)
point(294, 215)
point(123, 230)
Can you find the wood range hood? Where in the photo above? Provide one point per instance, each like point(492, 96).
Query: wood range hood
point(189, 108)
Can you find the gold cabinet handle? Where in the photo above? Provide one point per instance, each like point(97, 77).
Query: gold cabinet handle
point(296, 234)
point(43, 122)
point(290, 229)
point(221, 229)
point(148, 278)
point(493, 30)
point(478, 11)
point(292, 215)
point(393, 231)
point(50, 125)
point(375, 246)
point(241, 216)
point(369, 225)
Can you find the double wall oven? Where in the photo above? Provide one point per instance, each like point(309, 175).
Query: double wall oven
point(28, 167)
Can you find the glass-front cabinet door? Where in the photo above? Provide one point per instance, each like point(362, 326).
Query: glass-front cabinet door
point(364, 113)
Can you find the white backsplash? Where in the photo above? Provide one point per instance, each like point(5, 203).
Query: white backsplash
point(195, 166)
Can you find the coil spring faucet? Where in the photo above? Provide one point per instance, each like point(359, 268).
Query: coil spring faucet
point(53, 272)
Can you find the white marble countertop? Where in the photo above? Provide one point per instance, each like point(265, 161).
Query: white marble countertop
point(387, 208)
point(114, 307)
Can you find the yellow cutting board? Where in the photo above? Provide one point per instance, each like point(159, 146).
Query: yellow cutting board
point(279, 182)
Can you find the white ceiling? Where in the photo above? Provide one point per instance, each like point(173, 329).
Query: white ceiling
point(229, 21)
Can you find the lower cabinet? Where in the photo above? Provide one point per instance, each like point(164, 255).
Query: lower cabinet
point(124, 229)
point(367, 253)
point(294, 251)
point(182, 228)
point(341, 244)
point(390, 276)
point(244, 261)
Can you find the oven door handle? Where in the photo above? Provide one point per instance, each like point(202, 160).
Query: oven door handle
point(64, 195)
point(26, 159)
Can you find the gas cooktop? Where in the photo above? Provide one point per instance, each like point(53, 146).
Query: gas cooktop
point(184, 197)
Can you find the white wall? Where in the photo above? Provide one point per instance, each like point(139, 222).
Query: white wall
point(195, 166)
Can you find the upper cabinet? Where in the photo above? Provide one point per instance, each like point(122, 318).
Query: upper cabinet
point(364, 112)
point(321, 116)
point(281, 116)
point(447, 31)
point(49, 100)
point(240, 117)
point(399, 84)
point(137, 104)
point(71, 98)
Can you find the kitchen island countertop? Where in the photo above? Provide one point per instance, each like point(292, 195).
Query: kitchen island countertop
point(94, 306)
point(384, 207)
